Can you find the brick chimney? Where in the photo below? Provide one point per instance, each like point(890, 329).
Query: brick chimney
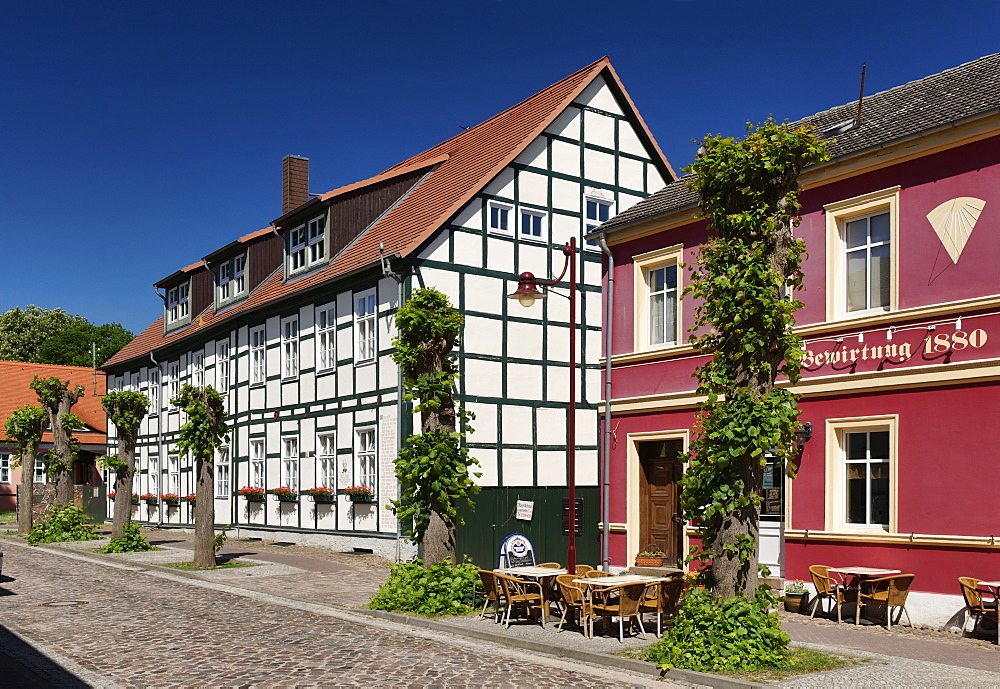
point(294, 182)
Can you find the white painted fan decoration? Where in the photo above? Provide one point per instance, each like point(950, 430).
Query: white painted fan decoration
point(954, 220)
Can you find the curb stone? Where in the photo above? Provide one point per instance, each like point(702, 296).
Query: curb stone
point(638, 666)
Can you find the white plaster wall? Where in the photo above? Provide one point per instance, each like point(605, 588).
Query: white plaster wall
point(524, 340)
point(534, 259)
point(533, 188)
point(485, 423)
point(630, 173)
point(629, 142)
point(483, 335)
point(437, 249)
point(599, 129)
point(566, 124)
point(517, 467)
point(535, 154)
point(517, 425)
point(499, 256)
point(468, 249)
point(485, 294)
point(552, 468)
point(502, 185)
point(551, 426)
point(566, 196)
point(445, 281)
point(524, 382)
point(483, 378)
point(566, 158)
point(487, 459)
point(586, 466)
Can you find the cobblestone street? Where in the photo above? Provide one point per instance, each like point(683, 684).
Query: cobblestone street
point(123, 626)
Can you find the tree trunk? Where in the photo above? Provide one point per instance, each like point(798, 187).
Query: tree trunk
point(204, 513)
point(439, 541)
point(123, 491)
point(731, 575)
point(26, 498)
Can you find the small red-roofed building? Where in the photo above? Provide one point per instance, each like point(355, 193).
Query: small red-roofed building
point(294, 325)
point(15, 392)
point(901, 327)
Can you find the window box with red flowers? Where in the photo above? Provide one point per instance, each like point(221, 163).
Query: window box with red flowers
point(360, 494)
point(171, 499)
point(135, 497)
point(285, 494)
point(190, 499)
point(322, 495)
point(150, 499)
point(252, 493)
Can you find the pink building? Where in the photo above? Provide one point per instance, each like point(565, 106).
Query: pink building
point(902, 329)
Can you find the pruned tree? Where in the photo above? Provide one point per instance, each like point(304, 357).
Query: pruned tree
point(25, 427)
point(749, 193)
point(57, 399)
point(203, 433)
point(433, 469)
point(125, 409)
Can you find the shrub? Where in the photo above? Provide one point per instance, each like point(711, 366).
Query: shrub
point(737, 634)
point(443, 589)
point(62, 523)
point(131, 541)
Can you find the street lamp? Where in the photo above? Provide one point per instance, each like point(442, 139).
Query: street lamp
point(526, 293)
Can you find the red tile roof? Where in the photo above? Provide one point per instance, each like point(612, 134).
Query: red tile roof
point(15, 392)
point(464, 165)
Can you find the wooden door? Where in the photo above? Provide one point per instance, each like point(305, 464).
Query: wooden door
point(659, 497)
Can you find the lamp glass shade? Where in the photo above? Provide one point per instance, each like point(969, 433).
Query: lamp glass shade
point(527, 290)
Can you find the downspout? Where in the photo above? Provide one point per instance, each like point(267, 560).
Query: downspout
point(609, 305)
point(388, 272)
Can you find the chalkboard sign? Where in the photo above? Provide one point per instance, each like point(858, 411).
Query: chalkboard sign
point(516, 551)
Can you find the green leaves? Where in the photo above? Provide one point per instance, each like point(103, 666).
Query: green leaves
point(441, 589)
point(206, 427)
point(62, 523)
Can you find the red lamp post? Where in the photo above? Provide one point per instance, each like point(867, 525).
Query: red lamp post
point(526, 293)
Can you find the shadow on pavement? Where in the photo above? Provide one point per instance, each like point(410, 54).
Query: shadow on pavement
point(23, 666)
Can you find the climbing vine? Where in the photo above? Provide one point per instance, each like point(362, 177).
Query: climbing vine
point(125, 409)
point(743, 320)
point(433, 470)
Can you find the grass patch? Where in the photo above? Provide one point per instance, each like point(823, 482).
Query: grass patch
point(189, 566)
point(10, 532)
point(101, 550)
point(800, 661)
point(7, 516)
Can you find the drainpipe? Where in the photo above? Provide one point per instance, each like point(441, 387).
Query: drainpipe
point(159, 430)
point(388, 272)
point(609, 305)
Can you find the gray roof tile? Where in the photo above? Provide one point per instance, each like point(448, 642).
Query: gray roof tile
point(949, 96)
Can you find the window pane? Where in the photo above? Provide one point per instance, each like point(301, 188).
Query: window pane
point(857, 494)
point(671, 272)
point(857, 233)
point(880, 276)
point(879, 227)
point(656, 279)
point(656, 325)
point(603, 210)
point(670, 317)
point(857, 445)
point(857, 281)
point(879, 444)
point(880, 494)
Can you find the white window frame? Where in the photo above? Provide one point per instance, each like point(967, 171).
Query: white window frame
point(178, 305)
point(153, 475)
point(366, 458)
point(644, 264)
point(365, 342)
point(5, 468)
point(222, 469)
point(297, 249)
point(258, 459)
point(497, 211)
point(838, 214)
point(316, 239)
point(326, 338)
point(136, 379)
point(290, 461)
point(222, 366)
point(290, 348)
point(541, 217)
point(225, 277)
point(326, 459)
point(258, 355)
point(173, 379)
point(198, 364)
point(239, 274)
point(836, 471)
point(592, 223)
point(39, 468)
point(153, 377)
point(174, 474)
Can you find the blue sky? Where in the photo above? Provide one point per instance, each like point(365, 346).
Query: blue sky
point(138, 137)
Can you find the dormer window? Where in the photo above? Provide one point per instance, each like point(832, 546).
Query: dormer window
point(231, 278)
point(307, 244)
point(177, 303)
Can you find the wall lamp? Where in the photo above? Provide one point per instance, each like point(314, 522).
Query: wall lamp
point(803, 434)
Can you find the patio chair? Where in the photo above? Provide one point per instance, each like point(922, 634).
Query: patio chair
point(888, 591)
point(551, 565)
point(581, 570)
point(492, 593)
point(621, 601)
point(574, 598)
point(521, 594)
point(662, 598)
point(596, 573)
point(828, 588)
point(975, 606)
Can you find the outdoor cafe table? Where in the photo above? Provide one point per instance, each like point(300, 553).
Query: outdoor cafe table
point(994, 587)
point(591, 582)
point(543, 575)
point(863, 572)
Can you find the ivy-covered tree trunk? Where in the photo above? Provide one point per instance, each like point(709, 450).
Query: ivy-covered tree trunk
point(749, 192)
point(26, 494)
point(57, 399)
point(204, 432)
point(204, 512)
point(126, 410)
point(25, 427)
point(433, 471)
